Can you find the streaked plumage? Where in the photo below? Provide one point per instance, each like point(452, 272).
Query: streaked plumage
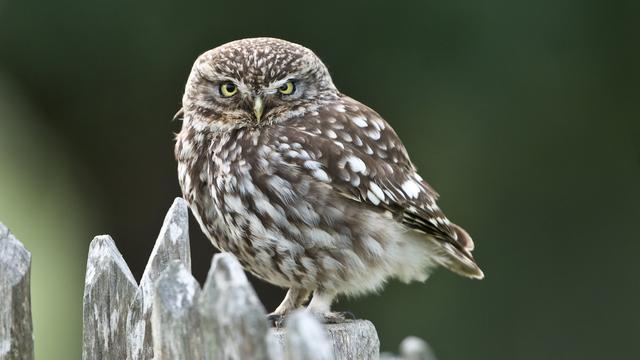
point(312, 191)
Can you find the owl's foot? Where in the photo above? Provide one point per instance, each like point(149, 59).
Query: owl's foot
point(276, 320)
point(320, 305)
point(293, 300)
point(333, 317)
point(338, 317)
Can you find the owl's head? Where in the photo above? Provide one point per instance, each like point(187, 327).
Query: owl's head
point(255, 81)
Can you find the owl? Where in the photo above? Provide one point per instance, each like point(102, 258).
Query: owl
point(310, 189)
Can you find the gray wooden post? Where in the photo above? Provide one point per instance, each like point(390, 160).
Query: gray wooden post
point(108, 291)
point(234, 322)
point(306, 338)
point(136, 326)
point(172, 244)
point(175, 319)
point(16, 333)
point(357, 339)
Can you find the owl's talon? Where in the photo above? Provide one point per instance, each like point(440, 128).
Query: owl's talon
point(338, 317)
point(348, 315)
point(276, 320)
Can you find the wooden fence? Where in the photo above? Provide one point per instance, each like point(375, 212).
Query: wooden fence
point(169, 316)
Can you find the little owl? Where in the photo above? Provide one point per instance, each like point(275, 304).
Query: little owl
point(310, 189)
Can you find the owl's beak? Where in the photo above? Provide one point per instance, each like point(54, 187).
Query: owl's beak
point(258, 107)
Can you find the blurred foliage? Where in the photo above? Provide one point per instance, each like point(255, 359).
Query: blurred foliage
point(522, 114)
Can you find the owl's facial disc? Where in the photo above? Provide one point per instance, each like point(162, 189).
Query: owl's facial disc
point(251, 81)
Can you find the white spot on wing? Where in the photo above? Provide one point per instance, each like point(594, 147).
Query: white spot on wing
point(345, 136)
point(312, 164)
point(411, 188)
point(331, 134)
point(377, 191)
point(360, 121)
point(320, 175)
point(356, 164)
point(374, 134)
point(373, 198)
point(368, 150)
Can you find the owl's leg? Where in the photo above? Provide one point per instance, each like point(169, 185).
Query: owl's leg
point(320, 305)
point(294, 299)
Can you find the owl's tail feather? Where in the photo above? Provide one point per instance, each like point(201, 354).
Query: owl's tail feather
point(458, 258)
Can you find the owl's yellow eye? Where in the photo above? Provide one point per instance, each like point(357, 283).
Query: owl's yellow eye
point(288, 88)
point(228, 89)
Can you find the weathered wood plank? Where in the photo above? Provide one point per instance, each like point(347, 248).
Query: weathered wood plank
point(233, 320)
point(172, 244)
point(276, 350)
point(108, 291)
point(175, 319)
point(306, 338)
point(136, 326)
point(356, 339)
point(16, 339)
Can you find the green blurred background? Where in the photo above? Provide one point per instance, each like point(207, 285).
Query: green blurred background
point(522, 114)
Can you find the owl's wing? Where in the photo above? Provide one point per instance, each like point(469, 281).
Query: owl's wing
point(350, 147)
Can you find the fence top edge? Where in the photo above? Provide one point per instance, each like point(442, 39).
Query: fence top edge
point(15, 259)
point(176, 288)
point(226, 271)
point(171, 236)
point(102, 251)
point(226, 278)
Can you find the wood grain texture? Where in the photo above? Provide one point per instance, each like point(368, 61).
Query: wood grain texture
point(108, 291)
point(172, 244)
point(175, 319)
point(234, 321)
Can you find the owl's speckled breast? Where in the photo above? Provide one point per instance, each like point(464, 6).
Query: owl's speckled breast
point(285, 226)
